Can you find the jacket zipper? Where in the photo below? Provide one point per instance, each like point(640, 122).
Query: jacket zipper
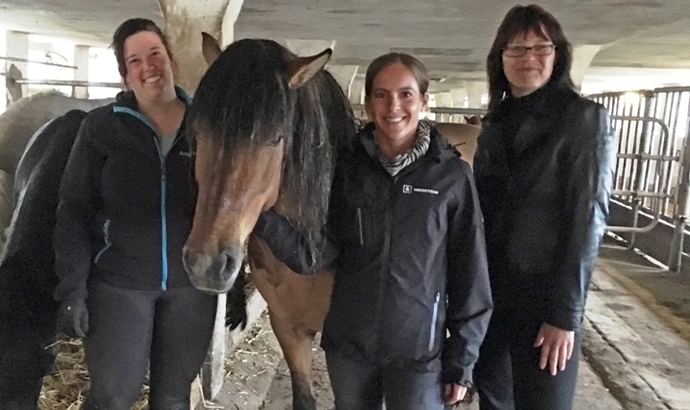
point(164, 220)
point(161, 157)
point(385, 263)
point(359, 222)
point(434, 317)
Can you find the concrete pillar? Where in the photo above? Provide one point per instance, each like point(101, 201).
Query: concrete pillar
point(445, 100)
point(81, 61)
point(17, 45)
point(232, 11)
point(582, 58)
point(344, 75)
point(357, 90)
point(475, 92)
point(459, 96)
point(184, 22)
point(305, 48)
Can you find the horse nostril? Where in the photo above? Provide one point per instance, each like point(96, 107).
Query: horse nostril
point(189, 258)
point(233, 262)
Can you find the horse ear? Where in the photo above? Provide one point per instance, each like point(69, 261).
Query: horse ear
point(210, 48)
point(301, 69)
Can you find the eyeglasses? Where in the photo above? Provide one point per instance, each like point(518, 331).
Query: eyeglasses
point(537, 50)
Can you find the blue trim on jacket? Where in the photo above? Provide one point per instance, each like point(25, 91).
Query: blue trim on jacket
point(182, 95)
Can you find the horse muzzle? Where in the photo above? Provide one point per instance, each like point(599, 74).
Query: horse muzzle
point(213, 272)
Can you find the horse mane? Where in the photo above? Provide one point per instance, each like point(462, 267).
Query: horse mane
point(244, 97)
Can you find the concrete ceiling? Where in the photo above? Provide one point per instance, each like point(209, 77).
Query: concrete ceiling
point(451, 37)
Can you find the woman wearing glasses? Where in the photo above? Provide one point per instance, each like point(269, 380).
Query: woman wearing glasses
point(544, 170)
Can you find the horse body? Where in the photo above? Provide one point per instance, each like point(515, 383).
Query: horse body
point(463, 137)
point(27, 275)
point(18, 124)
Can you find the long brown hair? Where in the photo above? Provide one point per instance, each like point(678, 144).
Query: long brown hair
point(521, 20)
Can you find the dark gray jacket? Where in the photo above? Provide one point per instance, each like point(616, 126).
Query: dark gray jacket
point(545, 192)
point(411, 265)
point(125, 209)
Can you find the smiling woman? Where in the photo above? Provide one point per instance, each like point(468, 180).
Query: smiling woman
point(126, 207)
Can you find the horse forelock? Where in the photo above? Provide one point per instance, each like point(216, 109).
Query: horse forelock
point(243, 97)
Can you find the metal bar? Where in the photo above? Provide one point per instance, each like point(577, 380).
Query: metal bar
point(636, 229)
point(683, 203)
point(646, 194)
point(440, 110)
point(68, 83)
point(676, 254)
point(452, 110)
point(25, 60)
point(651, 157)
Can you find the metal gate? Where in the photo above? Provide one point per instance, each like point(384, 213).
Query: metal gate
point(652, 133)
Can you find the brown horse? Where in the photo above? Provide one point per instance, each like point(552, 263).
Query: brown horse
point(463, 137)
point(266, 125)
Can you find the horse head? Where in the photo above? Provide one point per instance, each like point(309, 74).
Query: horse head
point(254, 143)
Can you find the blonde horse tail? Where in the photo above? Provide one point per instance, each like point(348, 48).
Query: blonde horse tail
point(6, 206)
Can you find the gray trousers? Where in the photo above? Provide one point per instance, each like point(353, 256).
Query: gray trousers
point(128, 329)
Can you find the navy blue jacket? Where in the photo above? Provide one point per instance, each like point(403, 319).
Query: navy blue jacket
point(125, 209)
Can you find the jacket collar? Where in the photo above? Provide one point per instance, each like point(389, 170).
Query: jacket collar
point(127, 99)
point(439, 148)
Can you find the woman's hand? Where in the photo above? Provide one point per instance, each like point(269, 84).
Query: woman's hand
point(556, 347)
point(454, 393)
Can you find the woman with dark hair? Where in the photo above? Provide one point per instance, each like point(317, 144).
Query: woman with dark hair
point(411, 298)
point(544, 171)
point(126, 204)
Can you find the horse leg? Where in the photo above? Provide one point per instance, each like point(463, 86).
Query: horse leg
point(295, 341)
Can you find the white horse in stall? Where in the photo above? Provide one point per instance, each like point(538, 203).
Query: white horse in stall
point(18, 124)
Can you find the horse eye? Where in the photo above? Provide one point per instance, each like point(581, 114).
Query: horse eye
point(275, 141)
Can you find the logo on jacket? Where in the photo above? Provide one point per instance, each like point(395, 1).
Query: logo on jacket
point(408, 189)
point(189, 153)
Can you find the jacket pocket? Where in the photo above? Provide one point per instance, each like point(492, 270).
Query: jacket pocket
point(106, 240)
point(434, 319)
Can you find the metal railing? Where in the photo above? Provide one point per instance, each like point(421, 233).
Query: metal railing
point(642, 169)
point(652, 170)
point(438, 114)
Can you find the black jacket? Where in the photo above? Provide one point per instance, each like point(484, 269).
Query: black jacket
point(411, 266)
point(412, 262)
point(125, 209)
point(544, 192)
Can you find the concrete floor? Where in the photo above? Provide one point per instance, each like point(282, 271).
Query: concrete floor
point(634, 356)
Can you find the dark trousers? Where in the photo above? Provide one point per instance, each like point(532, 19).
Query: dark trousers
point(128, 329)
point(362, 386)
point(507, 374)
